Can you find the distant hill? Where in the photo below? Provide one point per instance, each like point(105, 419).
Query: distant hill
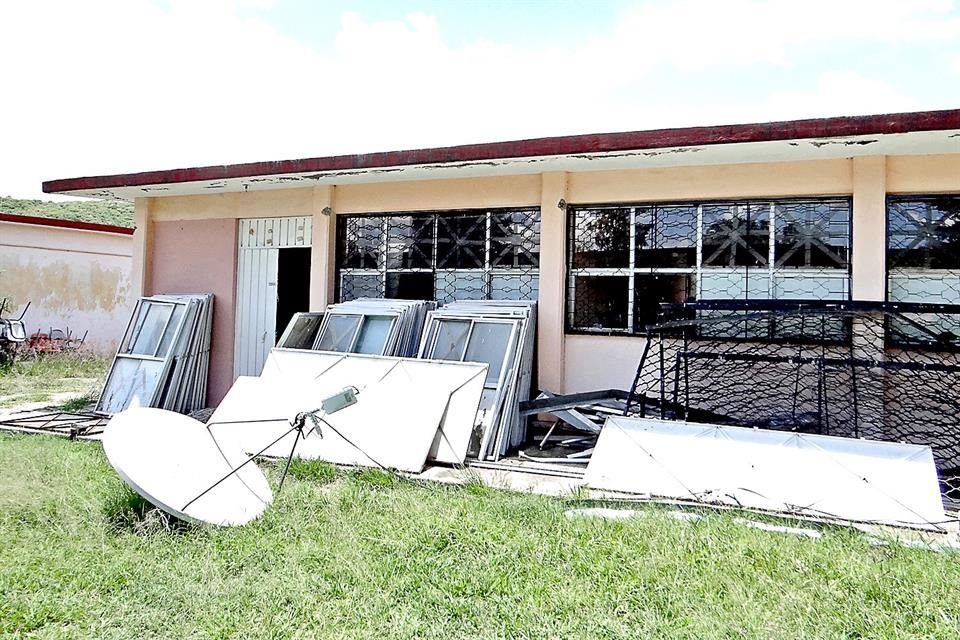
point(117, 212)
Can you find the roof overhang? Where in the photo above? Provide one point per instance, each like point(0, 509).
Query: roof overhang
point(930, 132)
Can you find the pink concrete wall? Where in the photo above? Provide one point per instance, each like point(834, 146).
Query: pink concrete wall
point(200, 256)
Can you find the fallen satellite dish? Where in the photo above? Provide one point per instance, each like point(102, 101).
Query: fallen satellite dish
point(175, 463)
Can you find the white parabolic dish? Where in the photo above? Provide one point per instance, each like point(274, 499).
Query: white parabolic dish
point(170, 459)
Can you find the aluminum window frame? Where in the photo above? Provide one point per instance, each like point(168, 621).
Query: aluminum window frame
point(355, 335)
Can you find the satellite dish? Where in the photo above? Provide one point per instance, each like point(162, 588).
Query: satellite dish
point(175, 463)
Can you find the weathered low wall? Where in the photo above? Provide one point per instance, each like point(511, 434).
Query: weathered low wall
point(75, 279)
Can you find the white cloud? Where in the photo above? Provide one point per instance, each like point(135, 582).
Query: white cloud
point(124, 85)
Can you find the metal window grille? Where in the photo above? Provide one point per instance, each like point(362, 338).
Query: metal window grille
point(443, 256)
point(881, 385)
point(923, 265)
point(625, 260)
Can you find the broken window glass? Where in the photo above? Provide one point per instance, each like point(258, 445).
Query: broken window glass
point(651, 290)
point(451, 342)
point(417, 285)
point(302, 331)
point(602, 302)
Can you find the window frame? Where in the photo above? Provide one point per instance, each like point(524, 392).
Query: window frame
point(773, 271)
point(488, 272)
point(908, 273)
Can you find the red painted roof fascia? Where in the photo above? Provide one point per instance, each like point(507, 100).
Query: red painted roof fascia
point(556, 146)
point(65, 224)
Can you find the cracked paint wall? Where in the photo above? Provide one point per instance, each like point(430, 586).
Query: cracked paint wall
point(75, 280)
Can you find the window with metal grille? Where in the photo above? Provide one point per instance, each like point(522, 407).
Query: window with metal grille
point(442, 255)
point(923, 265)
point(625, 260)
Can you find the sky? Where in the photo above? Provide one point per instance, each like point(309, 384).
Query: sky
point(117, 86)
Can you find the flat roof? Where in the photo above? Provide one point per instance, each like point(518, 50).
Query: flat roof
point(65, 224)
point(770, 141)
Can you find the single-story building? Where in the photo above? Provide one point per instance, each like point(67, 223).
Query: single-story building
point(598, 229)
point(74, 275)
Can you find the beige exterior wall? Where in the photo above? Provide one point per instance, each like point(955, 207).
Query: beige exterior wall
point(577, 363)
point(75, 280)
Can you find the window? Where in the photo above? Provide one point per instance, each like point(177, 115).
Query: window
point(442, 256)
point(625, 260)
point(923, 266)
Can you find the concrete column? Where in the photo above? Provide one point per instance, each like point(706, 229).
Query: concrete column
point(142, 250)
point(323, 248)
point(869, 272)
point(553, 224)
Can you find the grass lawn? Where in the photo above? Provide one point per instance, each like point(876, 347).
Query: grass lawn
point(39, 378)
point(365, 554)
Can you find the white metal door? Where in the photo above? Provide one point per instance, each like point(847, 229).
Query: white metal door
point(257, 261)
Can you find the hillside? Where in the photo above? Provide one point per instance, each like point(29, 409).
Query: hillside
point(115, 212)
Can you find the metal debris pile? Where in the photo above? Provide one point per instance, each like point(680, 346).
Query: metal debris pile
point(164, 357)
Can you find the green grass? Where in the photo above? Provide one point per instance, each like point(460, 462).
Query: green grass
point(37, 378)
point(366, 554)
point(118, 213)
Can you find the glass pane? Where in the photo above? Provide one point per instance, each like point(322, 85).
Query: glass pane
point(522, 286)
point(451, 340)
point(460, 285)
point(169, 334)
point(737, 283)
point(514, 239)
point(489, 343)
point(736, 235)
point(601, 238)
point(924, 233)
point(813, 234)
point(148, 328)
point(811, 284)
point(360, 285)
point(600, 302)
point(338, 334)
point(461, 241)
point(303, 333)
point(373, 334)
point(666, 236)
point(360, 240)
point(410, 242)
